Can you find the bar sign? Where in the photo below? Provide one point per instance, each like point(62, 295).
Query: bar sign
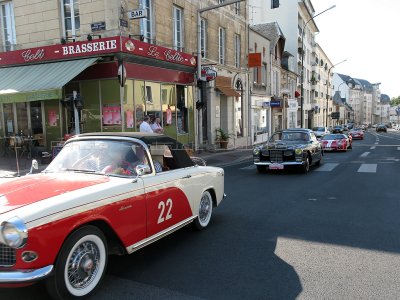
point(137, 14)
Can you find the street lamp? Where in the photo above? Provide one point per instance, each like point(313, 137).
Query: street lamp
point(302, 62)
point(327, 90)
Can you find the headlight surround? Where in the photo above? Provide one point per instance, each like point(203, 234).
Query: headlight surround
point(256, 151)
point(298, 151)
point(14, 233)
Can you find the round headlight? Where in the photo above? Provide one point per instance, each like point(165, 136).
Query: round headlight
point(256, 151)
point(14, 233)
point(298, 151)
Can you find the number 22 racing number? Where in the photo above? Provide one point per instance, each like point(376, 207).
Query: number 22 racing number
point(165, 210)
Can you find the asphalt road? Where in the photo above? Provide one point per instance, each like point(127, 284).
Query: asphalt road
point(330, 234)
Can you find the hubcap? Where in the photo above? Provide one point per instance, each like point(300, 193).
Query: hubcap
point(83, 265)
point(205, 206)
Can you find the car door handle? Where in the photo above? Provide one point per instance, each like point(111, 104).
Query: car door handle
point(187, 176)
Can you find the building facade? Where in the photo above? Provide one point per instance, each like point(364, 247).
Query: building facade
point(122, 67)
point(295, 18)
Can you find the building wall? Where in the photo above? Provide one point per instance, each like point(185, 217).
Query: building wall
point(38, 23)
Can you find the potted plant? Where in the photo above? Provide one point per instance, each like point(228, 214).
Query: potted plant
point(222, 137)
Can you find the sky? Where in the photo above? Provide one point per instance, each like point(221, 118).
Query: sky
point(367, 34)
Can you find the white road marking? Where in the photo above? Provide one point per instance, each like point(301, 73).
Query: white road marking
point(327, 167)
point(251, 167)
point(365, 154)
point(398, 148)
point(367, 168)
point(372, 148)
point(376, 143)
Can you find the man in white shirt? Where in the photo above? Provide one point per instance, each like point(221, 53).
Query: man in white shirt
point(145, 126)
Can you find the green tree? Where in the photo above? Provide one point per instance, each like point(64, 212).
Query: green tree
point(395, 101)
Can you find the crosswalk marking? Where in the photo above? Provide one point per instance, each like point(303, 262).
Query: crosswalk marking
point(365, 154)
point(327, 167)
point(398, 148)
point(367, 168)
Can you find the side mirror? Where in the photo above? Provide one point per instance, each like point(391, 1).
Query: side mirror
point(34, 166)
point(142, 170)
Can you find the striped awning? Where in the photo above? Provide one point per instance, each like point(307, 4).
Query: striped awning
point(40, 81)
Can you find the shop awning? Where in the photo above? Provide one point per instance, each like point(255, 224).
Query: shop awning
point(228, 91)
point(223, 84)
point(39, 82)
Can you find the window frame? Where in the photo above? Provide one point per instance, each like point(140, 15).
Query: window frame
point(178, 43)
point(237, 50)
point(74, 29)
point(203, 37)
point(221, 45)
point(8, 17)
point(146, 24)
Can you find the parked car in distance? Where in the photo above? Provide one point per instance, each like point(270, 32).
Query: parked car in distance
point(337, 129)
point(320, 131)
point(104, 193)
point(381, 127)
point(336, 142)
point(290, 147)
point(357, 133)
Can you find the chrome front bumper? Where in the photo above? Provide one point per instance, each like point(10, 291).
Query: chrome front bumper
point(286, 163)
point(25, 276)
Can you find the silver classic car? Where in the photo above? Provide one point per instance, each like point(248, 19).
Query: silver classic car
point(289, 147)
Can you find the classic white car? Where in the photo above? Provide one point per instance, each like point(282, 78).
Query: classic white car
point(104, 193)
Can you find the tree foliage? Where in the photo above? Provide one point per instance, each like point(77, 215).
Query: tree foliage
point(395, 101)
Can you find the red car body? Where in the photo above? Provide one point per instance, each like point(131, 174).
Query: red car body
point(336, 142)
point(357, 134)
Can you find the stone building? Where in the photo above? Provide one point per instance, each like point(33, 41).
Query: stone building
point(110, 62)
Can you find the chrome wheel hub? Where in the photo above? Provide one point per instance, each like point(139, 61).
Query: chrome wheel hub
point(83, 265)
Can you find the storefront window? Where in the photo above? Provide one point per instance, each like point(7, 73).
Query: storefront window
point(139, 100)
point(111, 105)
point(153, 100)
point(168, 119)
point(2, 133)
point(22, 118)
point(91, 114)
point(182, 110)
point(36, 118)
point(8, 113)
point(129, 106)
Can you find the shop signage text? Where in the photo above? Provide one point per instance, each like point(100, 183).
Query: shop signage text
point(102, 46)
point(28, 55)
point(137, 14)
point(90, 47)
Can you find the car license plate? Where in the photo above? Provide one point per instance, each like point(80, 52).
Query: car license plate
point(276, 166)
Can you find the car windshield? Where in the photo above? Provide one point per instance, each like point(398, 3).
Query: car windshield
point(289, 136)
point(319, 129)
point(111, 157)
point(333, 136)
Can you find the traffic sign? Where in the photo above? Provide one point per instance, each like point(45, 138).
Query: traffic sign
point(137, 14)
point(208, 74)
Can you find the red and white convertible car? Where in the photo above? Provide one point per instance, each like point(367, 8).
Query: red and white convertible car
point(104, 193)
point(336, 142)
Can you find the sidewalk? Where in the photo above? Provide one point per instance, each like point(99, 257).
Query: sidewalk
point(220, 158)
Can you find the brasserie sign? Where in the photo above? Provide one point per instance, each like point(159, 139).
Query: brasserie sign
point(98, 47)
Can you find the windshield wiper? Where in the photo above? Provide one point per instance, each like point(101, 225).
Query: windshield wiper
point(88, 171)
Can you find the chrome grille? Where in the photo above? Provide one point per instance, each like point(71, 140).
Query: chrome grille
point(276, 156)
point(7, 256)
